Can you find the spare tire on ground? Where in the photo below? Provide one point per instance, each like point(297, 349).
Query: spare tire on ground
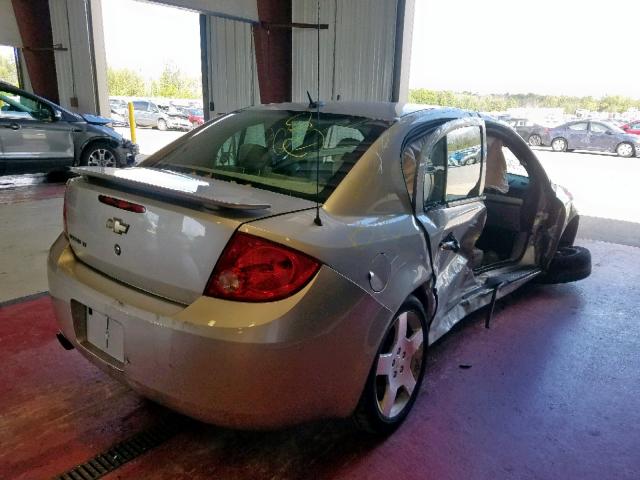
point(568, 265)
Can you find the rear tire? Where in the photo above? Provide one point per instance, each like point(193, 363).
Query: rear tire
point(569, 264)
point(396, 375)
point(535, 140)
point(559, 144)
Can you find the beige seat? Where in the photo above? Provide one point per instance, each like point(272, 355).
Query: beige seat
point(496, 177)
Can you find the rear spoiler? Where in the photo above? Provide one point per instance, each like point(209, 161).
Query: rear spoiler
point(204, 192)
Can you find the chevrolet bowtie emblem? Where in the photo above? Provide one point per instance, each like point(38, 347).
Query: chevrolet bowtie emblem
point(117, 225)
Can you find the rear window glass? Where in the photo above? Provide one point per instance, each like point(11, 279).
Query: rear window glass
point(277, 150)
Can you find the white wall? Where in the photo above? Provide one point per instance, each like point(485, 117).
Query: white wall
point(9, 33)
point(231, 59)
point(357, 52)
point(81, 87)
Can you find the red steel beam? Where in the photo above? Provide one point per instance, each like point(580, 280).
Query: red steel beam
point(273, 50)
point(34, 24)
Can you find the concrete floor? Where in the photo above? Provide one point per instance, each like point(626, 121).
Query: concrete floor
point(553, 392)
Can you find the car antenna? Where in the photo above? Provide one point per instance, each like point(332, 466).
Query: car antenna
point(316, 105)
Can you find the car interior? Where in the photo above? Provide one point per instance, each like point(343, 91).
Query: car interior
point(509, 197)
point(510, 205)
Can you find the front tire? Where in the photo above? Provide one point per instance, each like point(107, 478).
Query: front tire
point(535, 140)
point(570, 264)
point(395, 378)
point(625, 150)
point(559, 144)
point(162, 124)
point(99, 154)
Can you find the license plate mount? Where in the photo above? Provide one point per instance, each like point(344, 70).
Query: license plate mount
point(105, 334)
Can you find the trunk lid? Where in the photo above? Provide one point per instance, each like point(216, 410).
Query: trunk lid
point(170, 249)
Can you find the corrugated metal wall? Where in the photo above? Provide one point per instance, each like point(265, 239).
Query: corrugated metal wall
point(233, 79)
point(75, 68)
point(304, 60)
point(357, 52)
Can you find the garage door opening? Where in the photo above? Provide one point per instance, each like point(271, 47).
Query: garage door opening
point(9, 65)
point(153, 60)
point(579, 114)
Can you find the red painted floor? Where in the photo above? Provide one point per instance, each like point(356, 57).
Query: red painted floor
point(553, 392)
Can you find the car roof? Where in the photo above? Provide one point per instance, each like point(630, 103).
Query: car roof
point(386, 111)
point(38, 97)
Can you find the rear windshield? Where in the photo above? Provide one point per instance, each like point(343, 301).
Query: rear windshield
point(278, 150)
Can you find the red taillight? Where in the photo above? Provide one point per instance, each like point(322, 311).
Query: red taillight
point(252, 269)
point(122, 204)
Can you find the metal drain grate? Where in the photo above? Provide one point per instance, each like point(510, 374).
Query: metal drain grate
point(123, 452)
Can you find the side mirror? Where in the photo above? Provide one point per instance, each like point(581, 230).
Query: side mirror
point(609, 132)
point(57, 115)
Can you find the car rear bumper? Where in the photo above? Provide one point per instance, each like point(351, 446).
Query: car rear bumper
point(229, 363)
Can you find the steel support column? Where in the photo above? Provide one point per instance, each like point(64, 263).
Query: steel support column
point(273, 50)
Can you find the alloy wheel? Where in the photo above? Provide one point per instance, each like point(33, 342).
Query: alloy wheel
point(101, 157)
point(624, 150)
point(535, 140)
point(559, 145)
point(399, 365)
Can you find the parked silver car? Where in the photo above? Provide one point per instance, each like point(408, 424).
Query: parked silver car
point(594, 135)
point(272, 267)
point(37, 135)
point(148, 114)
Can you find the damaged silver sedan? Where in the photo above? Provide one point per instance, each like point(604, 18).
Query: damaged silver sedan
point(277, 265)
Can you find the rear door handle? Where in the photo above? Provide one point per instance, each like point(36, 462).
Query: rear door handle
point(12, 126)
point(450, 243)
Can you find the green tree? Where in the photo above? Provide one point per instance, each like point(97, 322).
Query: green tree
point(125, 82)
point(8, 69)
point(501, 102)
point(172, 83)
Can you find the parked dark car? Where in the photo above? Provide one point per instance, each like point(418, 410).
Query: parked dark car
point(534, 134)
point(600, 136)
point(37, 135)
point(632, 127)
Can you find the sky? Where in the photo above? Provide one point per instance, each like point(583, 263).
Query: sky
point(559, 47)
point(556, 47)
point(143, 37)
